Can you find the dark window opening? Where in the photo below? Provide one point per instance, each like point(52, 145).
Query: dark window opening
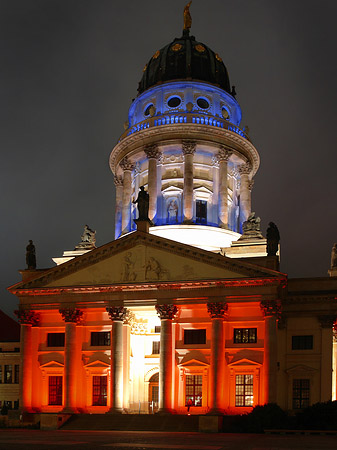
point(201, 211)
point(147, 110)
point(245, 335)
point(55, 340)
point(193, 390)
point(301, 393)
point(16, 373)
point(194, 336)
point(99, 390)
point(157, 329)
point(202, 103)
point(55, 390)
point(8, 374)
point(302, 342)
point(155, 347)
point(100, 338)
point(244, 390)
point(174, 102)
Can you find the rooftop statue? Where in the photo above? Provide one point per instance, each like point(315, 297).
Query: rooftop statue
point(334, 257)
point(273, 239)
point(30, 256)
point(187, 17)
point(88, 239)
point(143, 204)
point(251, 228)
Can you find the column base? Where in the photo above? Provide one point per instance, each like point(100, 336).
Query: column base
point(216, 412)
point(115, 411)
point(166, 411)
point(188, 222)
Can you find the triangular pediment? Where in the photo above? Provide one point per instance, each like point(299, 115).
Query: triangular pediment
point(144, 258)
point(51, 364)
point(300, 369)
point(97, 364)
point(194, 363)
point(244, 362)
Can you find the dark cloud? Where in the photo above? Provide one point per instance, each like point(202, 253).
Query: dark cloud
point(70, 69)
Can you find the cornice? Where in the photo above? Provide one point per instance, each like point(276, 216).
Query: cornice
point(200, 133)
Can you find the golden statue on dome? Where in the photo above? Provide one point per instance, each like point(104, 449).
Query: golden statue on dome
point(187, 17)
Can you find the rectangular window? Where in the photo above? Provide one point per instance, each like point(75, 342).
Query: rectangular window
point(245, 335)
point(8, 374)
point(55, 340)
point(194, 337)
point(302, 342)
point(55, 390)
point(201, 211)
point(16, 373)
point(0, 374)
point(244, 390)
point(100, 338)
point(99, 390)
point(193, 390)
point(301, 393)
point(157, 329)
point(155, 347)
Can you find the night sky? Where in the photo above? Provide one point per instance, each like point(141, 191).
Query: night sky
point(70, 69)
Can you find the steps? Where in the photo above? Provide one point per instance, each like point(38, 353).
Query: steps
point(132, 422)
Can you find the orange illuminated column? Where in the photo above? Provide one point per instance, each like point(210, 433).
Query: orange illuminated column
point(71, 316)
point(218, 312)
point(117, 315)
point(27, 319)
point(270, 310)
point(129, 318)
point(166, 314)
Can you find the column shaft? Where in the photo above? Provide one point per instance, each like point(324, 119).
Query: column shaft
point(119, 207)
point(70, 378)
point(26, 367)
point(270, 360)
point(245, 198)
point(126, 205)
point(116, 403)
point(223, 194)
point(188, 151)
point(152, 181)
point(165, 367)
point(217, 366)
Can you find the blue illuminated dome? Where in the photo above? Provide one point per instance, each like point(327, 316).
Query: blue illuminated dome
point(185, 59)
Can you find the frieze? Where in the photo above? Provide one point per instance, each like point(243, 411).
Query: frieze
point(270, 307)
point(72, 315)
point(117, 313)
point(166, 311)
point(217, 310)
point(309, 299)
point(27, 317)
point(245, 147)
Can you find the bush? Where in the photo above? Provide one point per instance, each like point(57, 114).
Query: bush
point(320, 416)
point(269, 416)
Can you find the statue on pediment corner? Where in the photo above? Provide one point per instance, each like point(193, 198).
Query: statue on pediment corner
point(251, 228)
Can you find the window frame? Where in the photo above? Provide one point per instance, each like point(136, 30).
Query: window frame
point(55, 344)
point(304, 401)
point(57, 391)
point(302, 342)
point(248, 390)
point(195, 387)
point(189, 339)
point(103, 338)
point(101, 393)
point(240, 340)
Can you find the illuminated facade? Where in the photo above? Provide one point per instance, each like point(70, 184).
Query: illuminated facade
point(158, 320)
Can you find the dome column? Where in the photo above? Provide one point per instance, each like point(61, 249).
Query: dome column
point(166, 314)
point(127, 167)
point(218, 312)
point(188, 148)
point(245, 192)
point(119, 205)
point(223, 157)
point(153, 154)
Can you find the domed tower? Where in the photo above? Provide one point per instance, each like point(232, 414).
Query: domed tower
point(184, 144)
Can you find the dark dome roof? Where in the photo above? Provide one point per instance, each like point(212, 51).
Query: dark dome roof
point(185, 59)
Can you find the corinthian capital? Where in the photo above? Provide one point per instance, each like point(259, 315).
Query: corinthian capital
point(166, 311)
point(189, 147)
point(270, 307)
point(72, 315)
point(245, 168)
point(152, 152)
point(218, 310)
point(27, 317)
point(117, 313)
point(126, 164)
point(224, 154)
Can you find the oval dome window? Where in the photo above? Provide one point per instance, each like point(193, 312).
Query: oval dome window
point(202, 103)
point(174, 102)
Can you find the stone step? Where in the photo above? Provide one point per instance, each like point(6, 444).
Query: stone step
point(132, 422)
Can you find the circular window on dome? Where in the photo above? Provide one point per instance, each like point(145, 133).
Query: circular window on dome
point(147, 110)
point(173, 102)
point(203, 103)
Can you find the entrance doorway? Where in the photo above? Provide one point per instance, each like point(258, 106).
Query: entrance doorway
point(154, 393)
